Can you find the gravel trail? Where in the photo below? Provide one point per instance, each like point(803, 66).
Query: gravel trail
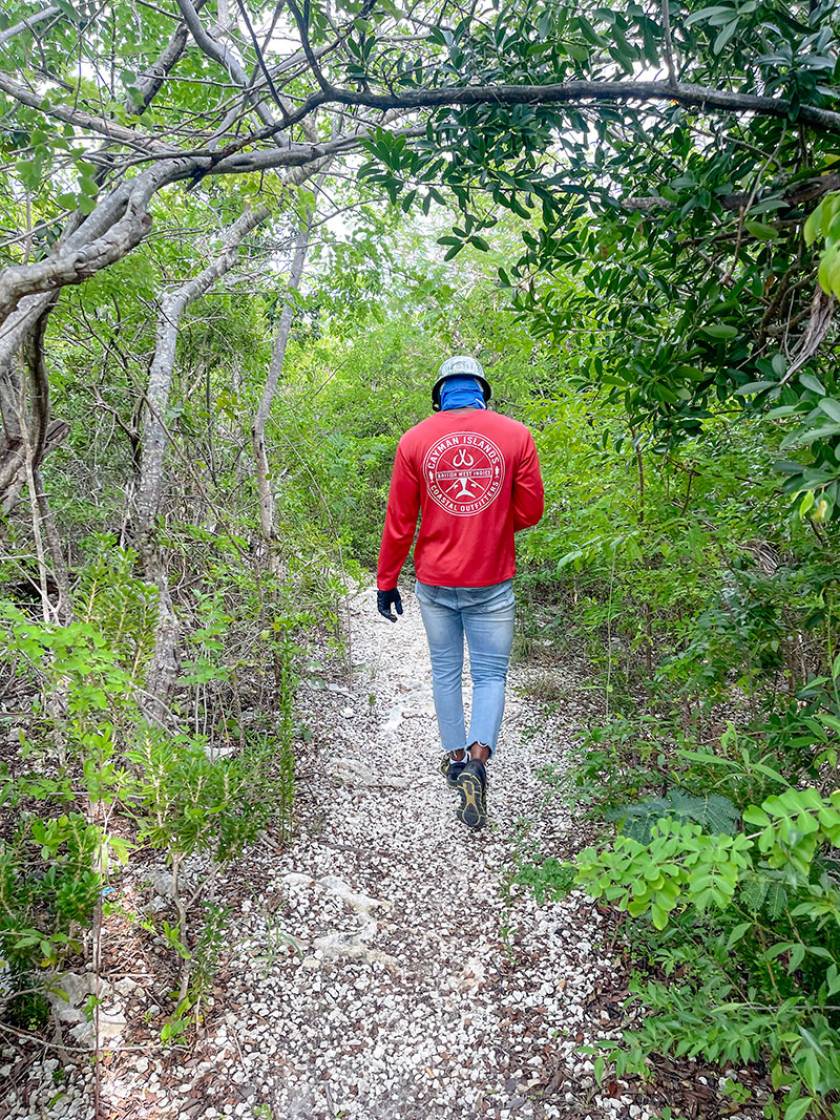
point(381, 966)
point(422, 988)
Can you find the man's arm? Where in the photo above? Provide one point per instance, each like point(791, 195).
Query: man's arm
point(528, 497)
point(400, 522)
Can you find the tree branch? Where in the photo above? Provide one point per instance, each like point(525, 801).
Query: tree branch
point(799, 194)
point(302, 21)
point(225, 57)
point(111, 231)
point(83, 120)
point(278, 101)
point(564, 93)
point(156, 74)
point(28, 22)
point(278, 354)
point(669, 44)
point(120, 221)
point(172, 308)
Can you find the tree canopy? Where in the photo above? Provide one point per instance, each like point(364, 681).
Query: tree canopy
point(671, 152)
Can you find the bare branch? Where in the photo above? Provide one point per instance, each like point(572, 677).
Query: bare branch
point(157, 73)
point(278, 355)
point(261, 60)
point(819, 320)
point(800, 193)
point(220, 53)
point(302, 21)
point(566, 93)
point(28, 22)
point(669, 45)
point(83, 120)
point(113, 229)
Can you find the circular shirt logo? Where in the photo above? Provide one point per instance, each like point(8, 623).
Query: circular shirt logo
point(464, 472)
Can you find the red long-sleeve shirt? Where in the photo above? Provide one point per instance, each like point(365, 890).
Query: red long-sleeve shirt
point(474, 478)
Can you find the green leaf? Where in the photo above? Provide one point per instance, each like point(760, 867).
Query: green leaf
point(724, 36)
point(812, 225)
point(577, 51)
point(797, 956)
point(803, 438)
point(831, 408)
point(762, 230)
point(829, 270)
point(754, 387)
point(807, 502)
point(30, 173)
point(754, 815)
point(809, 381)
point(720, 330)
point(799, 1109)
point(737, 933)
point(707, 13)
point(659, 916)
point(69, 9)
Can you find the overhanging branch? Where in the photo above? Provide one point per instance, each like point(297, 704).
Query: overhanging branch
point(798, 194)
point(564, 93)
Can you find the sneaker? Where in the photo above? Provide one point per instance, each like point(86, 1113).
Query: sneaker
point(472, 790)
point(450, 769)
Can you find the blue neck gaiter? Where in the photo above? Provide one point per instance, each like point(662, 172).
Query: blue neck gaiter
point(461, 392)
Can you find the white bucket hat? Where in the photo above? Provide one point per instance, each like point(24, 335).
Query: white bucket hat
point(460, 365)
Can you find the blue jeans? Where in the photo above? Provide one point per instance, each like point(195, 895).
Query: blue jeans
point(485, 615)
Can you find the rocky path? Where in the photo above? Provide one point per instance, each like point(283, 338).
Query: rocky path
point(421, 989)
point(382, 967)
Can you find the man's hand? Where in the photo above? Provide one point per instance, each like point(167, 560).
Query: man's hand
point(387, 599)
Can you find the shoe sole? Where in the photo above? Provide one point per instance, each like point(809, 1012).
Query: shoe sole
point(471, 811)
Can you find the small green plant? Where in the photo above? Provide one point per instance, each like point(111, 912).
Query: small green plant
point(98, 761)
point(185, 802)
point(277, 941)
point(201, 964)
point(734, 1091)
point(549, 879)
point(50, 881)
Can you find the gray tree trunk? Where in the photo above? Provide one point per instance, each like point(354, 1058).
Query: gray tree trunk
point(163, 667)
point(275, 369)
point(22, 321)
point(172, 307)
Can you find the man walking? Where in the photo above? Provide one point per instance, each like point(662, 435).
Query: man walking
point(474, 478)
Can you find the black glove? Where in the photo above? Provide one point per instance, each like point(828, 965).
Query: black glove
point(387, 599)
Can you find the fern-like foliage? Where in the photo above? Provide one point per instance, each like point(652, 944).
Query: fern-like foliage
point(716, 814)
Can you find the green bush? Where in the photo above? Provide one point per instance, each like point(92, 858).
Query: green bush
point(103, 785)
point(51, 876)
